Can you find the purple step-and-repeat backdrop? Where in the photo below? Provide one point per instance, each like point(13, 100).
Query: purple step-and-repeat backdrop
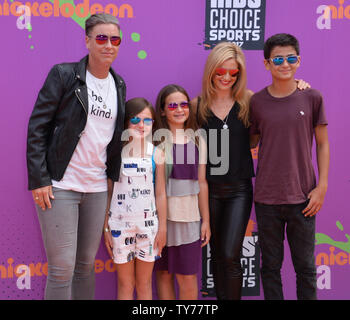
point(168, 41)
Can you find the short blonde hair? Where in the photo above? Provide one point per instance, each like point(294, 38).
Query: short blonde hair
point(221, 53)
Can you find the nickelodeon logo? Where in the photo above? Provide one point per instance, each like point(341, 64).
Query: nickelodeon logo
point(41, 269)
point(67, 9)
point(329, 12)
point(24, 272)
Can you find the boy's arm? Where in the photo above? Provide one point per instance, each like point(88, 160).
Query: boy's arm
point(318, 194)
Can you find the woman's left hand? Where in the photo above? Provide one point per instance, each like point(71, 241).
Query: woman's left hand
point(205, 233)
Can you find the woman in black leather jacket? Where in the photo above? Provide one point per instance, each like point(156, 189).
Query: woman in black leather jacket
point(73, 145)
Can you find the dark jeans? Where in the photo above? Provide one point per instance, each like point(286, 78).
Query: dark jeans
point(272, 221)
point(230, 207)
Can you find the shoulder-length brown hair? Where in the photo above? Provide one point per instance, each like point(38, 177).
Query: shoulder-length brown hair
point(221, 53)
point(135, 106)
point(161, 121)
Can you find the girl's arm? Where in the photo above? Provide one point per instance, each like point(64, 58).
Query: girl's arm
point(106, 230)
point(161, 200)
point(203, 196)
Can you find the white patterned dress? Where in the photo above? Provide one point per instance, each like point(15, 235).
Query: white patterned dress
point(133, 220)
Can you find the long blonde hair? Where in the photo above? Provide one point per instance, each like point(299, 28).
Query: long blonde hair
point(222, 52)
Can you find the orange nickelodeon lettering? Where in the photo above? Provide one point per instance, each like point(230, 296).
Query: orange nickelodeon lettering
point(41, 268)
point(110, 266)
point(5, 8)
point(341, 262)
point(341, 258)
point(347, 12)
point(33, 8)
point(10, 271)
point(35, 269)
point(337, 13)
point(13, 8)
point(3, 271)
point(44, 268)
point(64, 8)
point(19, 273)
point(56, 8)
point(96, 8)
point(99, 266)
point(112, 7)
point(128, 8)
point(319, 259)
point(82, 9)
point(334, 11)
point(45, 9)
point(10, 268)
point(331, 256)
point(341, 10)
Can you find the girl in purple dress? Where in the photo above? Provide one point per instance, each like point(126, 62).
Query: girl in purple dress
point(188, 227)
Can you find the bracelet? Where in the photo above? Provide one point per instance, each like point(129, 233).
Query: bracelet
point(106, 229)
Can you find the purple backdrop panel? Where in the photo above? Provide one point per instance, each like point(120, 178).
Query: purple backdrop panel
point(163, 42)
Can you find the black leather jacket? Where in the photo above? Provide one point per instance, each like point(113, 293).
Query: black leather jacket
point(58, 121)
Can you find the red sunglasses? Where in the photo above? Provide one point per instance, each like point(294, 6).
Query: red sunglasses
point(222, 71)
point(173, 105)
point(102, 39)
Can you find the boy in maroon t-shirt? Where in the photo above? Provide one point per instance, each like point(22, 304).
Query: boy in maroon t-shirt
point(285, 120)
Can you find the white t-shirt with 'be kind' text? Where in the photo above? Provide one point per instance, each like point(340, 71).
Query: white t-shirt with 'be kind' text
point(86, 171)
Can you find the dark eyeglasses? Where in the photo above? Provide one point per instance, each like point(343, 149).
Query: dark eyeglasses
point(222, 71)
point(146, 121)
point(277, 61)
point(102, 39)
point(173, 105)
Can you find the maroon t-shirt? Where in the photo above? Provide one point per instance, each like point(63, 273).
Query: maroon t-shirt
point(285, 173)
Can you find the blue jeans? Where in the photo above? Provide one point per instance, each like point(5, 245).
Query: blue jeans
point(71, 232)
point(272, 221)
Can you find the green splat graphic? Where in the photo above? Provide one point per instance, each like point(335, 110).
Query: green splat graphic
point(142, 54)
point(30, 28)
point(340, 226)
point(135, 37)
point(322, 238)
